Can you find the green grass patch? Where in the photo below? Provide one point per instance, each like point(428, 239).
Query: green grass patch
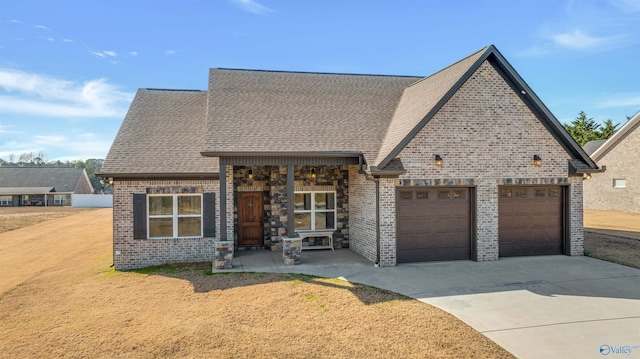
point(165, 269)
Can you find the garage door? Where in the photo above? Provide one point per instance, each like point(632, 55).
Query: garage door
point(433, 224)
point(530, 221)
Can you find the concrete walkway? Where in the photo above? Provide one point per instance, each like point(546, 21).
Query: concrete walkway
point(535, 307)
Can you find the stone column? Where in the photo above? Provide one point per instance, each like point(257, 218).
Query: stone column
point(223, 255)
point(291, 250)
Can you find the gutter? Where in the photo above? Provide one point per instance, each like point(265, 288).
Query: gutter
point(368, 177)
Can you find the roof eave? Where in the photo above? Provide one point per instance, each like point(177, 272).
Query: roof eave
point(163, 175)
point(280, 154)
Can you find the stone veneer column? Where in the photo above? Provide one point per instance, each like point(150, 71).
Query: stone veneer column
point(229, 202)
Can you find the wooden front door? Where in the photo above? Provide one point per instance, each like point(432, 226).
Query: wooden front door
point(250, 231)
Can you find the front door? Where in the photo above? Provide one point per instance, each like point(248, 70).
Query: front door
point(250, 232)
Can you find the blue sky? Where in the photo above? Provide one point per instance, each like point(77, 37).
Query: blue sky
point(69, 69)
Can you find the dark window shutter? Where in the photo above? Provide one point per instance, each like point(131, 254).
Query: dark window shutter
point(139, 216)
point(209, 214)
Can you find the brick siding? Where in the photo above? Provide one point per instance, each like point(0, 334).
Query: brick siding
point(139, 253)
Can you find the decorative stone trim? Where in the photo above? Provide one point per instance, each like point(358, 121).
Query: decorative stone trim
point(174, 189)
point(435, 182)
point(534, 181)
point(250, 189)
point(314, 188)
point(291, 250)
point(223, 255)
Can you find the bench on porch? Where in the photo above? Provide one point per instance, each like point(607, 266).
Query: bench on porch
point(312, 234)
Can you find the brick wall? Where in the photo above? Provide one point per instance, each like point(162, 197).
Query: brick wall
point(484, 132)
point(138, 253)
point(362, 219)
point(622, 161)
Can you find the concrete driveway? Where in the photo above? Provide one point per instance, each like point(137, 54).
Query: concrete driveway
point(535, 307)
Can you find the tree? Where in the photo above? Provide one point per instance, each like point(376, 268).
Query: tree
point(584, 129)
point(608, 129)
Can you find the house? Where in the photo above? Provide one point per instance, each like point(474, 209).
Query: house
point(618, 187)
point(467, 163)
point(41, 186)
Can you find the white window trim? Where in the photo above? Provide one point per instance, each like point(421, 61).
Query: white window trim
point(175, 215)
point(624, 183)
point(313, 211)
point(59, 199)
point(6, 202)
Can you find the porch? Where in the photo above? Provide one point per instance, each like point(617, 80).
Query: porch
point(329, 263)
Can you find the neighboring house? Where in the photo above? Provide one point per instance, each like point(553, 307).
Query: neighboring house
point(41, 186)
point(464, 164)
point(618, 187)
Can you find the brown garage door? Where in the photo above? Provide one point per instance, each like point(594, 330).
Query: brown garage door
point(530, 221)
point(433, 224)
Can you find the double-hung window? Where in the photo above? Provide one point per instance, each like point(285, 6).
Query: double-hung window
point(315, 210)
point(6, 200)
point(174, 215)
point(60, 199)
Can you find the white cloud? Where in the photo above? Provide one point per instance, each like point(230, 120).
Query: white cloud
point(41, 95)
point(41, 27)
point(621, 100)
point(133, 53)
point(252, 7)
point(51, 39)
point(68, 40)
point(85, 146)
point(6, 129)
point(577, 39)
point(14, 21)
point(627, 5)
point(170, 52)
point(103, 54)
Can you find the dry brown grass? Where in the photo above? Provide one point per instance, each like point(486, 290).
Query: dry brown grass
point(17, 217)
point(67, 302)
point(613, 237)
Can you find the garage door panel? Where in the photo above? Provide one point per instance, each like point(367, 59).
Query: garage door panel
point(530, 221)
point(438, 227)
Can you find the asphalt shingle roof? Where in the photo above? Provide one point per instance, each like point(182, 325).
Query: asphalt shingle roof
point(267, 111)
point(591, 147)
point(248, 112)
point(57, 179)
point(163, 132)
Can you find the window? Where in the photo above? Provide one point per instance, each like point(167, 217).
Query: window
point(174, 216)
point(25, 200)
point(60, 199)
point(6, 201)
point(619, 183)
point(314, 211)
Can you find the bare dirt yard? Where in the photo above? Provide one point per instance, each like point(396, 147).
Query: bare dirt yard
point(60, 298)
point(613, 237)
point(16, 217)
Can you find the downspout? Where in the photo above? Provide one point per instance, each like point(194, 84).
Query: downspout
point(368, 177)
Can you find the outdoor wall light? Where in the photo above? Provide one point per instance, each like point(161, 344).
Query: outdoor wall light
point(106, 180)
point(250, 174)
point(438, 160)
point(118, 252)
point(587, 176)
point(537, 161)
point(313, 173)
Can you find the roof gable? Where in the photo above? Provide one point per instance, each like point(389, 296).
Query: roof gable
point(447, 82)
point(631, 126)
